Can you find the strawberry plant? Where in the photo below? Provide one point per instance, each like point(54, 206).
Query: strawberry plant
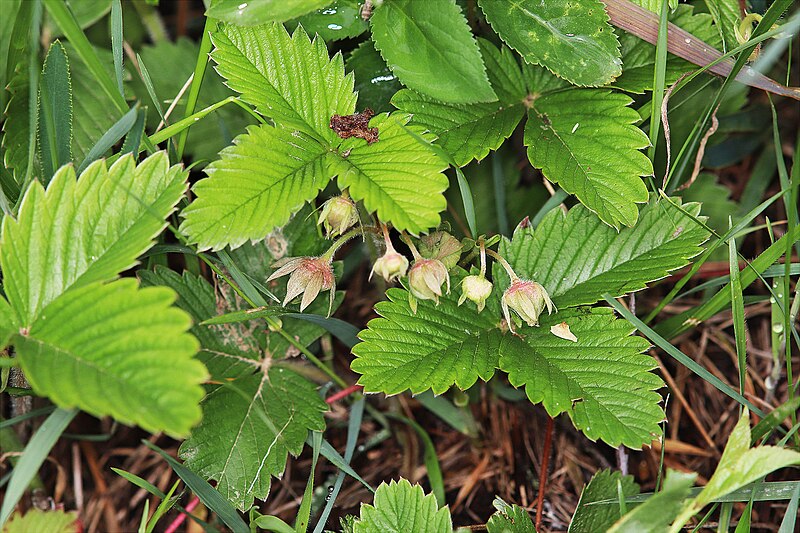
point(322, 212)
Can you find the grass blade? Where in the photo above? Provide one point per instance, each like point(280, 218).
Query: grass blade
point(304, 513)
point(330, 453)
point(789, 519)
point(469, 204)
point(431, 460)
point(134, 137)
point(32, 458)
point(116, 42)
point(774, 419)
point(111, 137)
point(659, 80)
point(737, 306)
point(210, 497)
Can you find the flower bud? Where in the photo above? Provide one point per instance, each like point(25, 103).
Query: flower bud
point(307, 276)
point(338, 215)
point(442, 246)
point(390, 265)
point(528, 300)
point(426, 277)
point(476, 289)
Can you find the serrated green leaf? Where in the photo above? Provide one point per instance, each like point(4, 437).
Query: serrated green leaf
point(224, 351)
point(590, 517)
point(79, 232)
point(55, 112)
point(400, 507)
point(466, 132)
point(513, 519)
point(8, 323)
point(375, 82)
point(340, 19)
point(249, 427)
point(740, 465)
point(435, 348)
point(16, 128)
point(397, 177)
point(288, 78)
point(112, 349)
point(38, 520)
point(657, 513)
point(258, 12)
point(258, 183)
point(603, 381)
point(577, 258)
point(504, 72)
point(11, 9)
point(572, 39)
point(639, 56)
point(430, 47)
point(586, 141)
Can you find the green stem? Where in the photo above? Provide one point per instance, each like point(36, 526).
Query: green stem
point(499, 258)
point(414, 252)
point(338, 243)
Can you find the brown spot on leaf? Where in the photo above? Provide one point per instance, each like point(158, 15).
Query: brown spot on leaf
point(355, 125)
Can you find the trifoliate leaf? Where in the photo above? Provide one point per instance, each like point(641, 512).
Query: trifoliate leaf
point(254, 13)
point(288, 78)
point(249, 427)
point(591, 516)
point(226, 352)
point(511, 519)
point(399, 176)
point(657, 513)
point(400, 507)
point(112, 349)
point(430, 47)
point(375, 82)
point(577, 258)
point(572, 39)
point(586, 141)
point(504, 72)
point(603, 381)
point(258, 183)
point(639, 56)
point(434, 348)
point(466, 132)
point(79, 232)
point(38, 520)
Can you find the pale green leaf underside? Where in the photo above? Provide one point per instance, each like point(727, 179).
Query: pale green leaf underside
point(399, 177)
point(249, 427)
point(400, 507)
point(259, 182)
point(466, 132)
point(430, 47)
point(259, 12)
point(572, 39)
point(435, 348)
point(585, 140)
point(657, 513)
point(37, 520)
point(117, 350)
point(577, 258)
point(639, 56)
point(590, 517)
point(79, 232)
point(288, 78)
point(603, 381)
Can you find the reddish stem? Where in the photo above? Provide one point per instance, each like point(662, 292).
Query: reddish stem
point(548, 439)
point(173, 527)
point(344, 393)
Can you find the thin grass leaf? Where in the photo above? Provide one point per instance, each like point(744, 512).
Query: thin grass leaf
point(790, 517)
point(737, 306)
point(166, 504)
point(681, 357)
point(197, 80)
point(353, 428)
point(27, 416)
point(243, 316)
point(775, 418)
point(111, 137)
point(210, 497)
point(431, 459)
point(116, 42)
point(460, 419)
point(659, 79)
point(134, 136)
point(148, 84)
point(304, 512)
point(272, 523)
point(744, 521)
point(469, 204)
point(32, 458)
point(344, 331)
point(764, 492)
point(330, 453)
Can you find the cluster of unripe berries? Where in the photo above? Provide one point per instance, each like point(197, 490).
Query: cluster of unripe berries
point(428, 278)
